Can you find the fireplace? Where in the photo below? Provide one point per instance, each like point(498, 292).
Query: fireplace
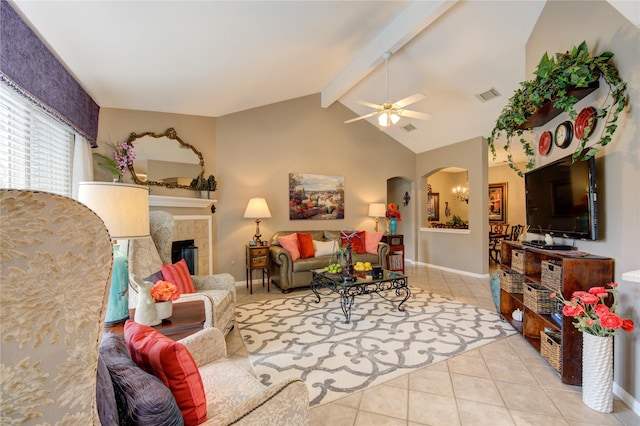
point(185, 249)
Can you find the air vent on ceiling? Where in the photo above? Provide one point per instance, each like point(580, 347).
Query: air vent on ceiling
point(409, 127)
point(488, 95)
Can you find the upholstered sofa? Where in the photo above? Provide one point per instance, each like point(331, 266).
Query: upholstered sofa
point(142, 395)
point(288, 274)
point(146, 257)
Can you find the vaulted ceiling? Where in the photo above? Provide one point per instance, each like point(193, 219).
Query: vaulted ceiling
point(213, 58)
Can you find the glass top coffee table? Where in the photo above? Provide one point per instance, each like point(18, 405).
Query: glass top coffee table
point(324, 283)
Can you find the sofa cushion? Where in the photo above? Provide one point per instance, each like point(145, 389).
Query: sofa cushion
point(140, 397)
point(324, 248)
point(357, 242)
point(172, 363)
point(305, 242)
point(105, 396)
point(371, 241)
point(311, 263)
point(290, 244)
point(178, 273)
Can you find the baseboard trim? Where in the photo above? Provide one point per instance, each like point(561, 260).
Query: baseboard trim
point(455, 271)
point(626, 398)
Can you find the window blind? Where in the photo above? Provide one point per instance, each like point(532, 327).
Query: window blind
point(36, 150)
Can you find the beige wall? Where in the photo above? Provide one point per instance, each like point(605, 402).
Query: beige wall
point(604, 29)
point(258, 148)
point(461, 251)
point(115, 126)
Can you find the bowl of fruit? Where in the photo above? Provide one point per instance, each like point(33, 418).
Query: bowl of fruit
point(362, 268)
point(334, 270)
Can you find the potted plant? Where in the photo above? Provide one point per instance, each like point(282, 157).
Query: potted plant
point(205, 186)
point(123, 157)
point(554, 81)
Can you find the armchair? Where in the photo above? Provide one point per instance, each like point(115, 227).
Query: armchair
point(146, 256)
point(235, 396)
point(56, 274)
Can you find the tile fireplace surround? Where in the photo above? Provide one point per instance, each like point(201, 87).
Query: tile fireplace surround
point(197, 228)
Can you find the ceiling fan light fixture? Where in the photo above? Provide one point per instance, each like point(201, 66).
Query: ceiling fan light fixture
point(388, 118)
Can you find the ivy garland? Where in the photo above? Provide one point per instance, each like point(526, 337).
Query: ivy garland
point(554, 78)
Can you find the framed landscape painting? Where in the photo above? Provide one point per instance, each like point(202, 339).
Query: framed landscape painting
point(498, 202)
point(318, 197)
point(433, 206)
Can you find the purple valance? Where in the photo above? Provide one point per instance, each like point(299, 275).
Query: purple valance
point(29, 67)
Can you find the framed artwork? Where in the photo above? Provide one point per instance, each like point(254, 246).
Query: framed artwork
point(498, 202)
point(318, 197)
point(433, 206)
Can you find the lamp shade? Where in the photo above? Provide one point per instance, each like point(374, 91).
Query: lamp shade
point(257, 209)
point(377, 210)
point(123, 208)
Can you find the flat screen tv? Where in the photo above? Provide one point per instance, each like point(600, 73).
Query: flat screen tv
point(562, 200)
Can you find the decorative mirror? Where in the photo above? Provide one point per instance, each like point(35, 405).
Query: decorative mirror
point(164, 160)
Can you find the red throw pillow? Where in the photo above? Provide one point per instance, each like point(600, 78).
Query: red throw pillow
point(172, 363)
point(371, 242)
point(290, 244)
point(178, 273)
point(305, 242)
point(357, 242)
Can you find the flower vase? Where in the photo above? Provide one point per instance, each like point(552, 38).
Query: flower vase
point(393, 224)
point(146, 307)
point(597, 372)
point(164, 309)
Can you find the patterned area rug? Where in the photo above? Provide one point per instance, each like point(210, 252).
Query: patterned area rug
point(296, 337)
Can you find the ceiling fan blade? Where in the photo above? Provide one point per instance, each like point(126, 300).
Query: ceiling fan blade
point(414, 114)
point(362, 117)
point(369, 104)
point(409, 100)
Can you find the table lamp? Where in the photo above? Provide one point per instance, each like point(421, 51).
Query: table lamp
point(257, 209)
point(124, 209)
point(377, 210)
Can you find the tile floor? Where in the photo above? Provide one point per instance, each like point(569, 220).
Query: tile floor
point(504, 383)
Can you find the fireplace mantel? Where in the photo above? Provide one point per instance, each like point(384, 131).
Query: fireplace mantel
point(167, 201)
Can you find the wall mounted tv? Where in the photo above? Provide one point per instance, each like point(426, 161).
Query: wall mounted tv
point(562, 200)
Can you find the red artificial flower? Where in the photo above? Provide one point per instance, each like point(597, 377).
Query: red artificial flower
point(591, 314)
point(589, 299)
point(572, 311)
point(598, 291)
point(627, 325)
point(611, 320)
point(601, 309)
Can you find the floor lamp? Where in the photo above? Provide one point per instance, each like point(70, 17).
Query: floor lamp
point(124, 209)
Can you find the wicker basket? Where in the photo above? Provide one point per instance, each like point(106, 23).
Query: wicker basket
point(517, 260)
point(550, 345)
point(511, 282)
point(537, 299)
point(551, 275)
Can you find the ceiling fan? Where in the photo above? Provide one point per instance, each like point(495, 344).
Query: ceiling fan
point(389, 113)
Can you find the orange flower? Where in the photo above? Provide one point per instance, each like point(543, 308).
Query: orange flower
point(164, 290)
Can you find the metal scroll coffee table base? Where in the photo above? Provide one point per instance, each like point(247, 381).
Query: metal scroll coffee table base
point(349, 289)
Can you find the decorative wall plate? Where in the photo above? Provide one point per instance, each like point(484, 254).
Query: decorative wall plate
point(564, 134)
point(582, 122)
point(544, 144)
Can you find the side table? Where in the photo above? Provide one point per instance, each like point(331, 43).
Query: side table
point(186, 319)
point(395, 258)
point(257, 258)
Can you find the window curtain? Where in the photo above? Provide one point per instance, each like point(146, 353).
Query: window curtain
point(82, 163)
point(29, 67)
